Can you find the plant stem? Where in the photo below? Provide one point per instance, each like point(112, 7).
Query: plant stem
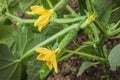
point(112, 33)
point(70, 35)
point(52, 20)
point(49, 3)
point(87, 55)
point(116, 25)
point(20, 19)
point(101, 43)
point(67, 20)
point(101, 27)
point(70, 54)
point(103, 39)
point(6, 6)
point(71, 10)
point(90, 7)
point(60, 5)
point(115, 9)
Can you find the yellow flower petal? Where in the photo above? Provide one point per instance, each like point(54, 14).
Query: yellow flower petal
point(36, 10)
point(44, 18)
point(41, 57)
point(41, 50)
point(49, 64)
point(55, 66)
point(49, 56)
point(42, 21)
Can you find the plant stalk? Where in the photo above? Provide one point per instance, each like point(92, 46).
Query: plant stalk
point(71, 10)
point(23, 21)
point(50, 4)
point(87, 55)
point(60, 5)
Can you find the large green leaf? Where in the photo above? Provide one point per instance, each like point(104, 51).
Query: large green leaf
point(106, 16)
point(36, 70)
point(10, 67)
point(6, 35)
point(25, 40)
point(114, 57)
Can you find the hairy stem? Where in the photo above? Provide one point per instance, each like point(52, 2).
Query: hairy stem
point(60, 5)
point(50, 4)
point(71, 10)
point(87, 55)
point(23, 21)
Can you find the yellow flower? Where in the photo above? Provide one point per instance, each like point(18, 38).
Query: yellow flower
point(49, 56)
point(44, 18)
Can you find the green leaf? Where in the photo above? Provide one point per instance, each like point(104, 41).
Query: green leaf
point(2, 19)
point(36, 70)
point(114, 57)
point(48, 30)
point(12, 6)
point(83, 67)
point(88, 49)
point(6, 35)
point(10, 67)
point(3, 6)
point(101, 6)
point(106, 16)
point(116, 11)
point(33, 67)
point(24, 5)
point(44, 71)
point(82, 6)
point(95, 32)
point(12, 2)
point(25, 40)
point(46, 4)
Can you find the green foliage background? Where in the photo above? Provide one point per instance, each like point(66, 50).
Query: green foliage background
point(14, 43)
